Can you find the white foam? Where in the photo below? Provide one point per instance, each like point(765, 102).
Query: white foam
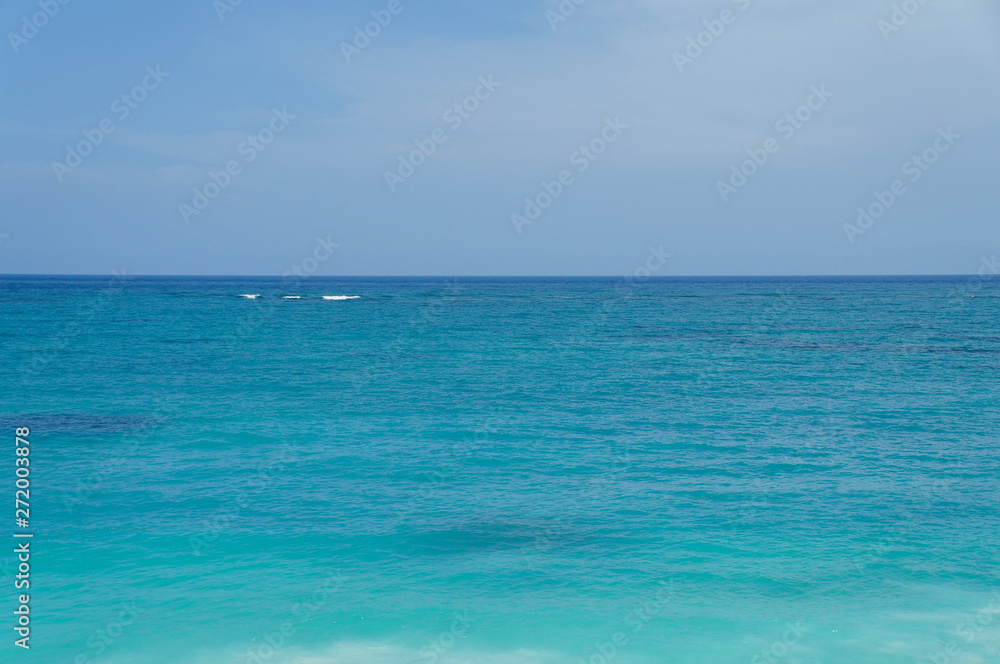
point(341, 297)
point(250, 296)
point(291, 297)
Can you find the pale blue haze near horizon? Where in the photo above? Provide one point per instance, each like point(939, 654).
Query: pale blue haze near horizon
point(655, 186)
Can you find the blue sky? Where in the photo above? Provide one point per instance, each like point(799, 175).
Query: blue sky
point(318, 168)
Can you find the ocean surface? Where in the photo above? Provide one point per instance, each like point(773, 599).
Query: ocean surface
point(696, 471)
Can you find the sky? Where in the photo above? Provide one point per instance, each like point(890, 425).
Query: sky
point(514, 137)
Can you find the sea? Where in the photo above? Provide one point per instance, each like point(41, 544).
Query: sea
point(503, 471)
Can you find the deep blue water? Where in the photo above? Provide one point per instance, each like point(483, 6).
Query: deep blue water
point(506, 471)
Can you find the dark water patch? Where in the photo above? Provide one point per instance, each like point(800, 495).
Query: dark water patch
point(79, 424)
point(957, 350)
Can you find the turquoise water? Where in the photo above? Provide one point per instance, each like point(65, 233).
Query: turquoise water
point(507, 471)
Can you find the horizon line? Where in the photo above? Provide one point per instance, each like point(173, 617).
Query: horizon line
point(124, 275)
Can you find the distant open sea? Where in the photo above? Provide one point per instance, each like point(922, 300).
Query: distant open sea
point(505, 471)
